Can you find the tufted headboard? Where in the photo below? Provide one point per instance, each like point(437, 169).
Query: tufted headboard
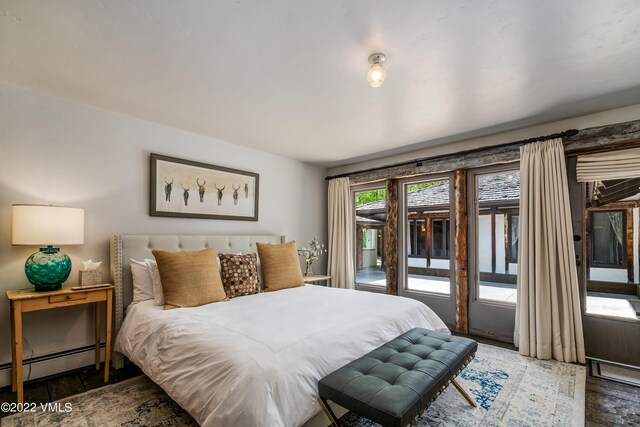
point(139, 246)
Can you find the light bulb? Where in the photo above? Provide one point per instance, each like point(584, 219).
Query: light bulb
point(376, 75)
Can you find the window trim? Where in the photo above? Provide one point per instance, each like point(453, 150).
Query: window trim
point(476, 303)
point(357, 189)
point(436, 300)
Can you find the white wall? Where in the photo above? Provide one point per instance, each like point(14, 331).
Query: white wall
point(616, 275)
point(55, 151)
point(370, 254)
point(484, 243)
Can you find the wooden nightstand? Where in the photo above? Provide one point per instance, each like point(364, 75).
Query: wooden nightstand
point(317, 278)
point(26, 300)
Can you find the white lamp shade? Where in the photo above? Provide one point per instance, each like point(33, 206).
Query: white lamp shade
point(47, 225)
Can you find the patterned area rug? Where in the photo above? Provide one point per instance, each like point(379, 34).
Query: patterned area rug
point(511, 390)
point(135, 402)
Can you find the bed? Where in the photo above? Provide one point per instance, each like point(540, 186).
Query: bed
point(254, 360)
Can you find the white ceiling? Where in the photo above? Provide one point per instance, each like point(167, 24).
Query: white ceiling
point(289, 77)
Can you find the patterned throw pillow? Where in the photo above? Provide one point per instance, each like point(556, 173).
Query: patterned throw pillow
point(239, 274)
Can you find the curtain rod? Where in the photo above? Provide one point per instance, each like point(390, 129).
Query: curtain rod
point(566, 133)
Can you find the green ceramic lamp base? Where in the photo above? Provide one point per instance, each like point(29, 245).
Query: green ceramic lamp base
point(47, 269)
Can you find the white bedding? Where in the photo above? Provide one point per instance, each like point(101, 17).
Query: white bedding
point(256, 360)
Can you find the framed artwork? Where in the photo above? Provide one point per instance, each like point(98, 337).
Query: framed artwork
point(188, 189)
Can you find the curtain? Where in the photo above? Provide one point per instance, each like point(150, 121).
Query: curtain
point(615, 218)
point(619, 164)
point(548, 318)
point(341, 234)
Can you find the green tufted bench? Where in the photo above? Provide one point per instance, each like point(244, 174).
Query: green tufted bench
point(395, 383)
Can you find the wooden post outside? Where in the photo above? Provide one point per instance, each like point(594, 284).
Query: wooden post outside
point(427, 224)
point(506, 244)
point(493, 241)
point(587, 250)
point(637, 254)
point(358, 244)
point(461, 273)
point(629, 234)
point(391, 237)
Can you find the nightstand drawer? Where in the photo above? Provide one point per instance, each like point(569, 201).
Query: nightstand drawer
point(65, 299)
point(68, 297)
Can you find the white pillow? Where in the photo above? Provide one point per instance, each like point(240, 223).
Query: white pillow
point(158, 296)
point(142, 284)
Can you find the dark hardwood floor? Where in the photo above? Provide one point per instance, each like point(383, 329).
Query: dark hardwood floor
point(67, 384)
point(608, 403)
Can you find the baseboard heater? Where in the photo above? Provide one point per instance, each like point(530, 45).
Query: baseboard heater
point(51, 356)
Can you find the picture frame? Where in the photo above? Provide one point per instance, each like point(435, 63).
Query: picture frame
point(176, 190)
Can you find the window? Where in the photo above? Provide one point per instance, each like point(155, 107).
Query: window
point(440, 231)
point(417, 238)
point(608, 239)
point(426, 238)
point(497, 221)
point(512, 238)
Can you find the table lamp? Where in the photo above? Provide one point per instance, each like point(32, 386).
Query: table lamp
point(36, 225)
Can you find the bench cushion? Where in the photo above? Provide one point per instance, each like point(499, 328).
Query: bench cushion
point(396, 382)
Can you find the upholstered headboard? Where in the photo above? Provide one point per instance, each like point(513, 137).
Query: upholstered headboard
point(139, 246)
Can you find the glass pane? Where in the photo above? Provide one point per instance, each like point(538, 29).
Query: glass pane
point(498, 196)
point(608, 238)
point(370, 219)
point(428, 255)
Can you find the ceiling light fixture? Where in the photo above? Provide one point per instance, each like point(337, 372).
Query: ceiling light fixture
point(377, 73)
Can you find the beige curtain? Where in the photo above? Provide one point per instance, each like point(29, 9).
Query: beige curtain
point(548, 318)
point(619, 164)
point(341, 213)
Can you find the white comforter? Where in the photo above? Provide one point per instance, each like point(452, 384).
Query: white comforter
point(256, 360)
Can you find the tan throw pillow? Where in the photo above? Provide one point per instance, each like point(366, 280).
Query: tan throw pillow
point(280, 266)
point(189, 279)
point(239, 274)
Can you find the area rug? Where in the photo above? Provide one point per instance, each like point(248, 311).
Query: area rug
point(135, 402)
point(511, 390)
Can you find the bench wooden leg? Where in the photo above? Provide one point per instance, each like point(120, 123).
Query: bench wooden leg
point(464, 394)
point(328, 412)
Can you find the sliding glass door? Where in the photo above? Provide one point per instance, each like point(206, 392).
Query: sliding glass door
point(426, 241)
point(493, 203)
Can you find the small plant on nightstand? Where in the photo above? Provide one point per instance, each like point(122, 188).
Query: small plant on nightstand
point(311, 253)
